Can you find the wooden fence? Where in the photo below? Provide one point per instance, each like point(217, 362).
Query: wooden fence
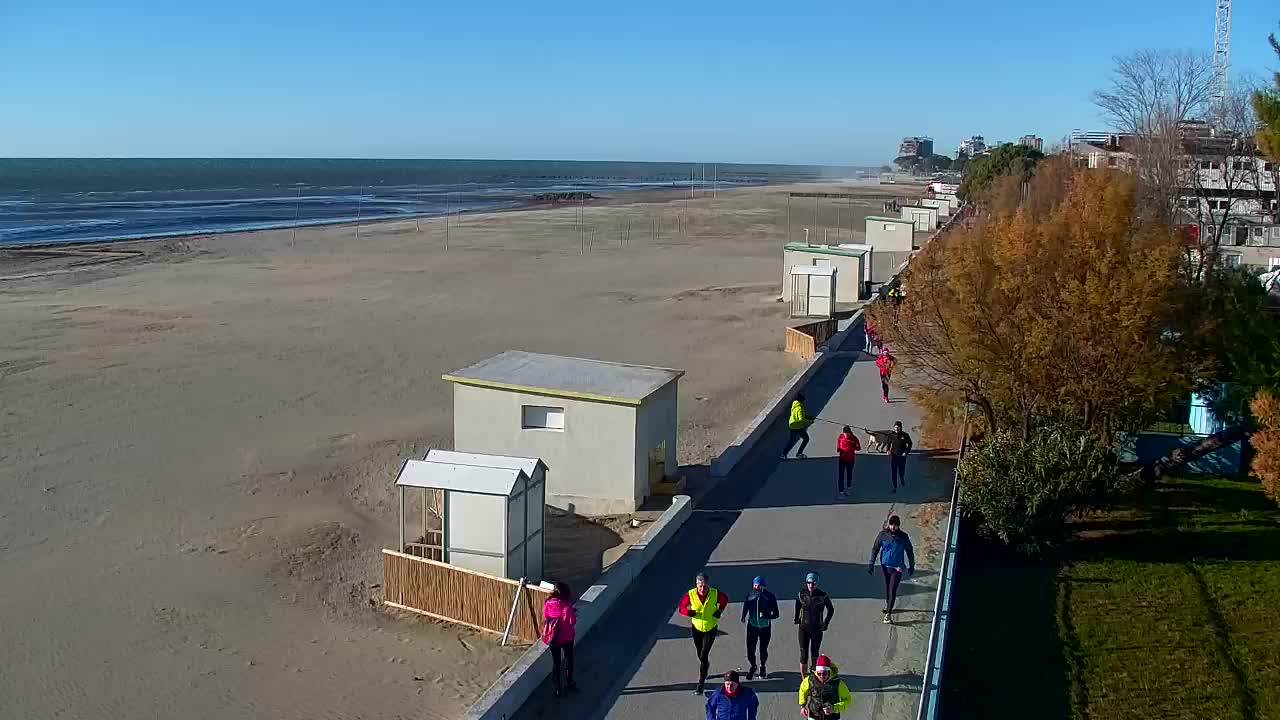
point(466, 597)
point(804, 340)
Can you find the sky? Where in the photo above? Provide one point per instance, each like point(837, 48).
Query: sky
point(832, 83)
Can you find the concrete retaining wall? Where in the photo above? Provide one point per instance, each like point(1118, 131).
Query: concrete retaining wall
point(515, 685)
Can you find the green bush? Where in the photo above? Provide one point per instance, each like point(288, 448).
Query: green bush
point(1021, 493)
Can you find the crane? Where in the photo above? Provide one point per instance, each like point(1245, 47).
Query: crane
point(1221, 52)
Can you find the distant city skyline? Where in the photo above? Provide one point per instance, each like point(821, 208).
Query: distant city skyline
point(707, 82)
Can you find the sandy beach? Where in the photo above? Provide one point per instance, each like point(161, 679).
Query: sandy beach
point(198, 440)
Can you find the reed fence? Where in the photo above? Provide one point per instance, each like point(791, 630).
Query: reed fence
point(804, 340)
point(447, 592)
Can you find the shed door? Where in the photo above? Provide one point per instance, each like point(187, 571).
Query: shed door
point(922, 220)
point(820, 295)
point(799, 295)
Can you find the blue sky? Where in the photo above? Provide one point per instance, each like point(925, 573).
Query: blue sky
point(825, 83)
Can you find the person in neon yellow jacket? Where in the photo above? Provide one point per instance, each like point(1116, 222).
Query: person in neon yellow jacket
point(798, 426)
point(823, 695)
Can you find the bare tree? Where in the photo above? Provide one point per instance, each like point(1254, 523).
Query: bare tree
point(1153, 90)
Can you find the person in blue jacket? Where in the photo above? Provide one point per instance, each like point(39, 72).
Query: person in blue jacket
point(893, 546)
point(758, 612)
point(732, 701)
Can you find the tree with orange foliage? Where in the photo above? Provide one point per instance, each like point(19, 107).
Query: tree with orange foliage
point(1064, 309)
point(1265, 408)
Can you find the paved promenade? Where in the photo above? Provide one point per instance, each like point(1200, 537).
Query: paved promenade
point(780, 519)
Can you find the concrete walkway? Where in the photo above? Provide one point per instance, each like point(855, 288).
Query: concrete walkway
point(780, 519)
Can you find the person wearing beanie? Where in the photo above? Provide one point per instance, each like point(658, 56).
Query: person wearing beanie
point(892, 546)
point(703, 605)
point(823, 695)
point(732, 701)
point(758, 612)
point(813, 614)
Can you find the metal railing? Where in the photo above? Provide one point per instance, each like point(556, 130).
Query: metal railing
point(931, 686)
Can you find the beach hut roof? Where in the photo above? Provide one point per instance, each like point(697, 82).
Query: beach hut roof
point(570, 377)
point(467, 472)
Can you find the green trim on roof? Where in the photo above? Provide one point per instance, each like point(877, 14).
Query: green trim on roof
point(824, 249)
point(878, 218)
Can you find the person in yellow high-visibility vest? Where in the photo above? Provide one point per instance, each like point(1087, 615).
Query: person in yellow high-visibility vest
point(703, 605)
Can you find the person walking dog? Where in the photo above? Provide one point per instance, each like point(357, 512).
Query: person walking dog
point(892, 546)
point(759, 611)
point(813, 615)
point(798, 427)
point(703, 605)
point(823, 695)
point(732, 701)
point(558, 633)
point(847, 446)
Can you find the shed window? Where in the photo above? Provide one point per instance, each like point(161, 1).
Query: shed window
point(541, 417)
point(890, 227)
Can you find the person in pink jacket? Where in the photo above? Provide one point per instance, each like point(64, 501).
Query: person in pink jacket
point(558, 633)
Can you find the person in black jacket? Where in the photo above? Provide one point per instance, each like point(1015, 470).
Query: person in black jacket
point(758, 612)
point(899, 445)
point(812, 619)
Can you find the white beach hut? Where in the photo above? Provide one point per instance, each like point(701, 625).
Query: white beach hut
point(491, 511)
point(813, 290)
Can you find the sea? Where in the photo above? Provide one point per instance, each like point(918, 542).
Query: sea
point(52, 201)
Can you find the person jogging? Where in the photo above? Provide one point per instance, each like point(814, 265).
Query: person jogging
point(892, 546)
point(885, 363)
point(847, 446)
point(873, 337)
point(732, 701)
point(798, 426)
point(823, 695)
point(703, 605)
point(899, 445)
point(813, 614)
point(558, 633)
point(758, 612)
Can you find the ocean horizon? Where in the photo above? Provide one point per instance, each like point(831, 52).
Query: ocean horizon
point(56, 201)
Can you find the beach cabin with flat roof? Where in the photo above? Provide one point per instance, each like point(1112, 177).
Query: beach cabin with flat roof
point(889, 234)
point(925, 218)
point(943, 207)
point(608, 429)
point(852, 264)
point(491, 510)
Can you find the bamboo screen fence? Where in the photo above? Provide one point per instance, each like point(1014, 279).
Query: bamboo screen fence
point(455, 594)
point(804, 340)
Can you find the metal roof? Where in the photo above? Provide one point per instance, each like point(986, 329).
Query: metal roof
point(878, 218)
point(813, 270)
point(569, 377)
point(467, 472)
point(825, 249)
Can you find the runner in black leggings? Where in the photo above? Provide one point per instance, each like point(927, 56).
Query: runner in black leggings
point(813, 614)
point(892, 546)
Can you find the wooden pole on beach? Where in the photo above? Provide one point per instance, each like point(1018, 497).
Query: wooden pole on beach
point(447, 197)
point(293, 238)
point(359, 208)
point(788, 218)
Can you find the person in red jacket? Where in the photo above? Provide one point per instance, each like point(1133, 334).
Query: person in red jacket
point(885, 364)
point(847, 446)
point(703, 605)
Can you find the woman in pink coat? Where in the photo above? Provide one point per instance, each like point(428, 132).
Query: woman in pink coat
point(558, 633)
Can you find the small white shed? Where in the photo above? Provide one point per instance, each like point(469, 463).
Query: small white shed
point(608, 429)
point(813, 291)
point(943, 206)
point(491, 512)
point(890, 234)
point(925, 218)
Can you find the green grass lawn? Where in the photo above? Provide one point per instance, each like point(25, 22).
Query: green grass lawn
point(1166, 608)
